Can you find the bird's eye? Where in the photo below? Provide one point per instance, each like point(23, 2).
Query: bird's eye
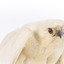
point(50, 30)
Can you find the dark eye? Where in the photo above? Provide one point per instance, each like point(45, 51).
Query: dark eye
point(50, 30)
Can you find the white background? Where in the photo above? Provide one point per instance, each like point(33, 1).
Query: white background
point(15, 13)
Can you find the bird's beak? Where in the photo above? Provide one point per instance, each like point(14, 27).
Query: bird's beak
point(59, 33)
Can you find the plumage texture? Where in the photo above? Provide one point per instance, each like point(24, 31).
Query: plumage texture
point(33, 44)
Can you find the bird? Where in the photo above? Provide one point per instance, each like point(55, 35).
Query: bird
point(39, 42)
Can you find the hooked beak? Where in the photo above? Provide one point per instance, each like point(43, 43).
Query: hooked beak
point(59, 33)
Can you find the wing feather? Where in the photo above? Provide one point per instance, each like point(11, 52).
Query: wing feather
point(13, 44)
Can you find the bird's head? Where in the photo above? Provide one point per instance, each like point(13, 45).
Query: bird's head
point(50, 31)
